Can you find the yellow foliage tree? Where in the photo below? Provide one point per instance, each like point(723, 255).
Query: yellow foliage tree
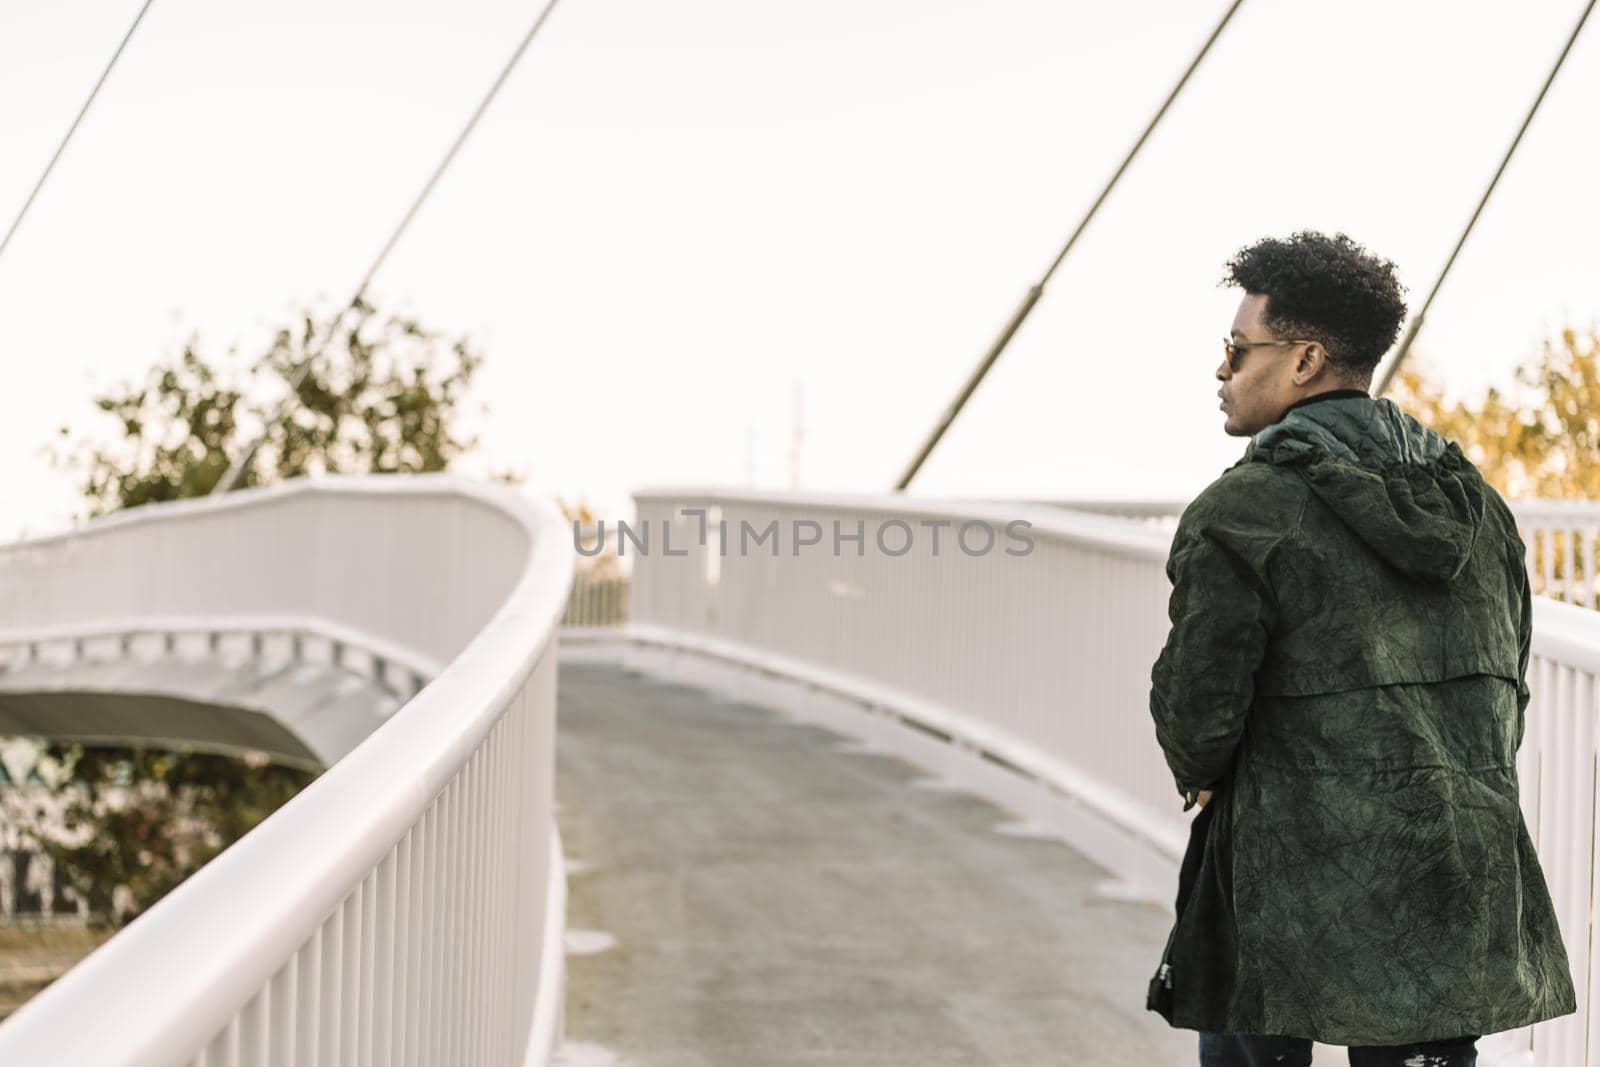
point(1542, 439)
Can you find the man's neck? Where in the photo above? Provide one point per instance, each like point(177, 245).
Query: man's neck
point(1326, 394)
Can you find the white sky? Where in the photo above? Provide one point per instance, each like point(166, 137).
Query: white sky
point(677, 212)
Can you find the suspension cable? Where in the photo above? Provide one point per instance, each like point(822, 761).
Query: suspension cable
point(238, 467)
point(62, 147)
point(1033, 295)
point(1416, 323)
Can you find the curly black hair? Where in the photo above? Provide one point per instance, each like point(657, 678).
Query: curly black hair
point(1325, 289)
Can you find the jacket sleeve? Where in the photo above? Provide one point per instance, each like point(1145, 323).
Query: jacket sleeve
point(1203, 682)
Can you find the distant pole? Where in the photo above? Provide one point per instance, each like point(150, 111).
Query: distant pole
point(1416, 323)
point(750, 454)
point(796, 440)
point(1032, 298)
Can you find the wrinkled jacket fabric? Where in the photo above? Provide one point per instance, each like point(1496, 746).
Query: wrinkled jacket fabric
point(1350, 637)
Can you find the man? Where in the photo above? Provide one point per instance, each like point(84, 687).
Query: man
point(1343, 691)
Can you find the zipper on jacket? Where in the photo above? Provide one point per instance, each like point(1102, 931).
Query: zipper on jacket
point(1158, 996)
point(1187, 873)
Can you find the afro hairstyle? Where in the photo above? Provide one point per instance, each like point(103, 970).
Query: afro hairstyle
point(1325, 289)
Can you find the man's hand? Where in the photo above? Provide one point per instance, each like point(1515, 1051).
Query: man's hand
point(1205, 795)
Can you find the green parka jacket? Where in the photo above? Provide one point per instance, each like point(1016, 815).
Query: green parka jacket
point(1350, 632)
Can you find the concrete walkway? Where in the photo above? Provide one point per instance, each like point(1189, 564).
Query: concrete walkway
point(775, 900)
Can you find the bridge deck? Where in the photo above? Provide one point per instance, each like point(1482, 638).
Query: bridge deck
point(775, 900)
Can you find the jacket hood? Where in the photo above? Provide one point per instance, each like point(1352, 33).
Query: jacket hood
point(1405, 491)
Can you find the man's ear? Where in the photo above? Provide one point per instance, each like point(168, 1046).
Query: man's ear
point(1313, 358)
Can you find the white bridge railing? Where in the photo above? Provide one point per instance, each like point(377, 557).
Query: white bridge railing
point(1563, 538)
point(1042, 661)
point(406, 907)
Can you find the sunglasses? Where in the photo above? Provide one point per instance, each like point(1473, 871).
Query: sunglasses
point(1232, 350)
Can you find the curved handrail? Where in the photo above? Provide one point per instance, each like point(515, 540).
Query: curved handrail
point(356, 917)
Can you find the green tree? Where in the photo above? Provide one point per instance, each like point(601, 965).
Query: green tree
point(133, 823)
point(380, 393)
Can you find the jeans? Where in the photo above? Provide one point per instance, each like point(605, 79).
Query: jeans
point(1243, 1050)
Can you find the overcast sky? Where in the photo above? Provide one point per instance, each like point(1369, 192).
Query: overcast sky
point(677, 214)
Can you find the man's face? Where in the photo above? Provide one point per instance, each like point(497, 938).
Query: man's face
point(1259, 384)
